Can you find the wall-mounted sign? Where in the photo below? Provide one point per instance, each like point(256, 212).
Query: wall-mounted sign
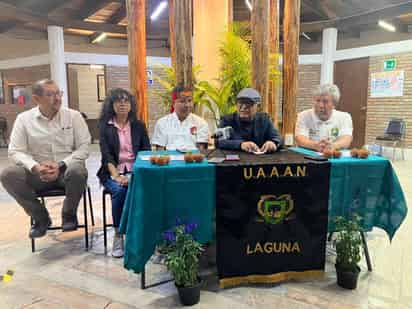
point(149, 77)
point(389, 65)
point(101, 87)
point(387, 84)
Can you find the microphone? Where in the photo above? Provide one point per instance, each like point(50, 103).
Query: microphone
point(223, 133)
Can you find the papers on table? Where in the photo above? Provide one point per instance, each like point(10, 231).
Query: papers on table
point(172, 157)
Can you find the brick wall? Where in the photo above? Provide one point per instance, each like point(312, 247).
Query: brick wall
point(381, 110)
point(117, 77)
point(309, 79)
point(20, 76)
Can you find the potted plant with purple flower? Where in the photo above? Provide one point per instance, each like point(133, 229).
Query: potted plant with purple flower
point(182, 253)
point(348, 251)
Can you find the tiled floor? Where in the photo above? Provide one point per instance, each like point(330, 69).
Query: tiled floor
point(61, 274)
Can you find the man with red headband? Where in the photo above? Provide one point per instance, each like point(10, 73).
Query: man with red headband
point(181, 129)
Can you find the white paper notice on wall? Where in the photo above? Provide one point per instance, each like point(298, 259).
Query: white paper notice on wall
point(387, 84)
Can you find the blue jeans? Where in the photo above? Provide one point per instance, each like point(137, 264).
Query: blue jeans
point(118, 193)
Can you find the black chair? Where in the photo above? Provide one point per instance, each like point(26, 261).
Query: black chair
point(105, 225)
point(61, 192)
point(394, 133)
point(3, 130)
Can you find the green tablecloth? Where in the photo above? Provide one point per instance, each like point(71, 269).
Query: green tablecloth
point(368, 187)
point(158, 195)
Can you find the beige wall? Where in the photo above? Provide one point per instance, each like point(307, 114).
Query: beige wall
point(381, 110)
point(36, 44)
point(86, 92)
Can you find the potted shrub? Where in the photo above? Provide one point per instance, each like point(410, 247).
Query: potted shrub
point(348, 248)
point(182, 253)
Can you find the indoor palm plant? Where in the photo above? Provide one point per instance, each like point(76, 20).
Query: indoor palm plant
point(182, 253)
point(348, 245)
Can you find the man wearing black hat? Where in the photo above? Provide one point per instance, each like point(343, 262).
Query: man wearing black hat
point(252, 131)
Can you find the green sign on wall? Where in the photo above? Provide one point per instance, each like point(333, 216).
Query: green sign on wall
point(389, 65)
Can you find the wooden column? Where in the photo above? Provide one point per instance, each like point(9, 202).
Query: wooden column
point(273, 97)
point(291, 25)
point(230, 11)
point(172, 32)
point(260, 49)
point(183, 42)
point(136, 32)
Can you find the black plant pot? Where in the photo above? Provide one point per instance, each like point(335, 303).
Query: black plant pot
point(347, 279)
point(189, 296)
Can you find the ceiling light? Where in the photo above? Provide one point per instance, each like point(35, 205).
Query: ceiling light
point(162, 5)
point(306, 36)
point(249, 5)
point(99, 38)
point(387, 26)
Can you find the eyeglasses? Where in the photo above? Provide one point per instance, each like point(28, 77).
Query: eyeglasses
point(53, 94)
point(247, 105)
point(122, 101)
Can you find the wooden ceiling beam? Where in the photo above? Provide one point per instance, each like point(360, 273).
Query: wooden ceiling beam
point(92, 6)
point(308, 6)
point(116, 18)
point(361, 19)
point(323, 5)
point(119, 15)
point(43, 7)
point(27, 16)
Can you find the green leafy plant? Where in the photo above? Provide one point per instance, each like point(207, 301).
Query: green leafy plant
point(236, 59)
point(182, 253)
point(348, 242)
point(216, 99)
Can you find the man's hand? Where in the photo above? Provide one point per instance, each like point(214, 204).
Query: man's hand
point(48, 171)
point(322, 145)
point(39, 169)
point(122, 180)
point(269, 146)
point(249, 146)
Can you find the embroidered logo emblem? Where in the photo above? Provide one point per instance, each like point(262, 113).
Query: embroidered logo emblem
point(274, 209)
point(193, 130)
point(334, 132)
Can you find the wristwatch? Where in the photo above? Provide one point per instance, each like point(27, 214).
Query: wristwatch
point(62, 167)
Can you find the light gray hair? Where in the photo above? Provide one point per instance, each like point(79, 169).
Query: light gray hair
point(37, 87)
point(329, 89)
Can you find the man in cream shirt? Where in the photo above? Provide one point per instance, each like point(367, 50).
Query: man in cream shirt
point(323, 127)
point(49, 146)
point(181, 129)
